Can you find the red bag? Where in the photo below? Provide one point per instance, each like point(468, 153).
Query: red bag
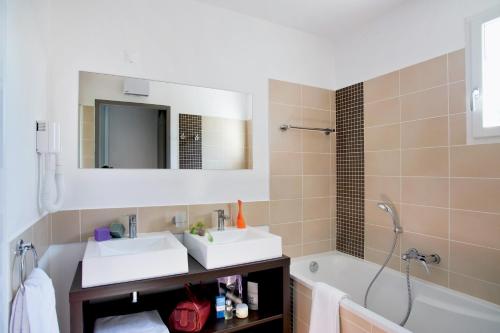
point(190, 315)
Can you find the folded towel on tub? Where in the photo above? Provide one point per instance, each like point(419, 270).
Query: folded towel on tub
point(325, 308)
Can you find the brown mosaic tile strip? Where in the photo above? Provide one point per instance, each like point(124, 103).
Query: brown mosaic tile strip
point(190, 142)
point(350, 170)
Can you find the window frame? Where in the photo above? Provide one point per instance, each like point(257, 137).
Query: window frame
point(476, 133)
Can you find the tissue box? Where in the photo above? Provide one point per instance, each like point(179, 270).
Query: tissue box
point(102, 234)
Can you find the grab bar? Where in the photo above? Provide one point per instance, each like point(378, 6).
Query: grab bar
point(22, 248)
point(326, 130)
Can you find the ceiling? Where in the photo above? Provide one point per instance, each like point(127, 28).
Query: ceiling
point(326, 18)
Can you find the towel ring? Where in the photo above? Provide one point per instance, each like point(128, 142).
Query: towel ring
point(22, 248)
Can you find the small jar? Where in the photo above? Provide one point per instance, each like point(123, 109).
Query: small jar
point(228, 314)
point(241, 310)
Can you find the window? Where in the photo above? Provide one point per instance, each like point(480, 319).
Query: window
point(483, 77)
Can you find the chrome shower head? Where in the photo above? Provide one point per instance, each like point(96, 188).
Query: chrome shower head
point(386, 207)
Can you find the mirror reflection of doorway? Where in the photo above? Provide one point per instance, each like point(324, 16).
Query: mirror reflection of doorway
point(131, 135)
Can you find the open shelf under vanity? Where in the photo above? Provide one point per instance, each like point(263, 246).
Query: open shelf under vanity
point(163, 294)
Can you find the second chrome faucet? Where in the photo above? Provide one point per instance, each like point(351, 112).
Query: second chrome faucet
point(221, 218)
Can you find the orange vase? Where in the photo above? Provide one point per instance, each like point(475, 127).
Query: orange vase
point(240, 221)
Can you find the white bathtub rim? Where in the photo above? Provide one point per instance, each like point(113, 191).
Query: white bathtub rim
point(349, 304)
point(482, 302)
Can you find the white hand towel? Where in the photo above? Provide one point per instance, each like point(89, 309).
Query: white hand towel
point(325, 308)
point(34, 310)
point(142, 322)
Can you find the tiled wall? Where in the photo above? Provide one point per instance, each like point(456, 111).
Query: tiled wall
point(349, 321)
point(447, 193)
point(87, 136)
point(302, 166)
point(350, 170)
point(190, 142)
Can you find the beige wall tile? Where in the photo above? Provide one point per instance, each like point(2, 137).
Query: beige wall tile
point(456, 65)
point(316, 208)
point(477, 288)
point(316, 118)
point(317, 230)
point(315, 142)
point(425, 104)
point(203, 213)
point(379, 257)
point(291, 233)
point(154, 219)
point(333, 185)
point(382, 87)
point(66, 227)
point(284, 211)
point(475, 261)
point(427, 245)
point(476, 161)
point(41, 235)
point(476, 194)
point(431, 162)
point(376, 216)
point(254, 212)
point(354, 318)
point(377, 188)
point(316, 164)
point(382, 137)
point(94, 218)
point(286, 187)
point(379, 238)
point(382, 163)
point(458, 134)
point(425, 220)
point(457, 98)
point(284, 92)
point(280, 114)
point(436, 275)
point(482, 229)
point(316, 186)
point(317, 98)
point(292, 250)
point(425, 133)
point(284, 163)
point(425, 191)
point(424, 75)
point(382, 113)
point(316, 247)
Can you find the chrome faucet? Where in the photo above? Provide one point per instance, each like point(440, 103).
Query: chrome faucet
point(220, 219)
point(421, 258)
point(132, 226)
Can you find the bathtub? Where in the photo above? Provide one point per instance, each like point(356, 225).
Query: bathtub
point(435, 309)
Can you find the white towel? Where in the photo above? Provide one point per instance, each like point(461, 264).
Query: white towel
point(325, 309)
point(34, 310)
point(142, 322)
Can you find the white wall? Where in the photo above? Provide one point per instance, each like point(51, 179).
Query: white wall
point(411, 33)
point(25, 100)
point(179, 41)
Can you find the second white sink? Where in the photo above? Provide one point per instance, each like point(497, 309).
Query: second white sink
point(121, 260)
point(233, 246)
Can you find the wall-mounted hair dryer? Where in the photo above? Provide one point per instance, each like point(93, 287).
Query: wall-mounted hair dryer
point(50, 178)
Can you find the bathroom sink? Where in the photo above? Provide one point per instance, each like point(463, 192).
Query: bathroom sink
point(120, 260)
point(232, 246)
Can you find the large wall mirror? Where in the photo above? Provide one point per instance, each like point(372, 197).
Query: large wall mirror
point(130, 123)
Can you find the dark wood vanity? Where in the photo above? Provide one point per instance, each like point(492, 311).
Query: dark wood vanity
point(162, 294)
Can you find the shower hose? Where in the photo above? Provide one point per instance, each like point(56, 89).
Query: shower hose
point(408, 285)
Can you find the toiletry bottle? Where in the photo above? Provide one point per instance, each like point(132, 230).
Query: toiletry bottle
point(220, 306)
point(253, 295)
point(228, 314)
point(240, 221)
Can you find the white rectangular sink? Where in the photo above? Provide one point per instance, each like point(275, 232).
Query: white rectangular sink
point(125, 259)
point(232, 246)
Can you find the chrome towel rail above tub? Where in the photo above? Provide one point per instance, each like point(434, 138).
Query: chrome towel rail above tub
point(22, 248)
point(326, 130)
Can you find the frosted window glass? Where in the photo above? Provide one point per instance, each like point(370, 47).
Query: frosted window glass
point(491, 73)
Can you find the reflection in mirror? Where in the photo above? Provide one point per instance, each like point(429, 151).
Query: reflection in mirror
point(128, 123)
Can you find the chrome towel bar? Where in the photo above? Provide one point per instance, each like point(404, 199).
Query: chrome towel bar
point(326, 130)
point(22, 248)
